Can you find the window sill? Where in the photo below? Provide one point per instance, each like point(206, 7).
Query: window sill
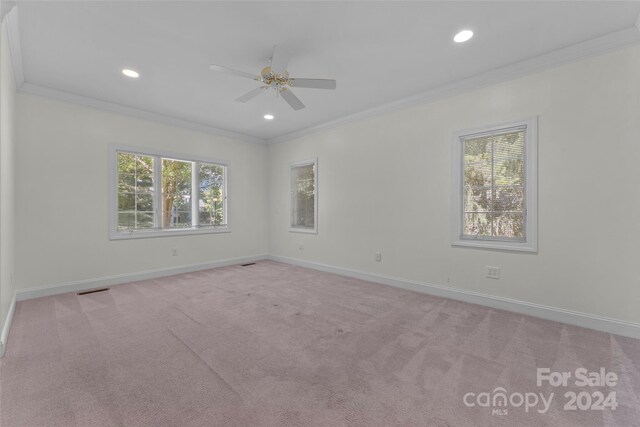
point(141, 234)
point(303, 230)
point(497, 245)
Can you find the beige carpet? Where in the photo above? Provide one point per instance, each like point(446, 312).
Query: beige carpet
point(276, 345)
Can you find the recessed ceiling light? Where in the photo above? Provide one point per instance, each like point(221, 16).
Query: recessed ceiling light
point(131, 73)
point(268, 116)
point(463, 36)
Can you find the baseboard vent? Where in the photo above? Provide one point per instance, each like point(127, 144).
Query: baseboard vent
point(247, 264)
point(93, 291)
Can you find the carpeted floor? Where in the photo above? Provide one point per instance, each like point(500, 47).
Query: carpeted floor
point(276, 345)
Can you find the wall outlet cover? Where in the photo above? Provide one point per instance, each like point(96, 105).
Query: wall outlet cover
point(493, 272)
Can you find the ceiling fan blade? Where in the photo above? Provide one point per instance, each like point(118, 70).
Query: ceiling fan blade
point(313, 83)
point(279, 60)
point(291, 99)
point(252, 94)
point(226, 70)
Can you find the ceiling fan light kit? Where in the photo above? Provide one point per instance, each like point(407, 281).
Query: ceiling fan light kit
point(276, 77)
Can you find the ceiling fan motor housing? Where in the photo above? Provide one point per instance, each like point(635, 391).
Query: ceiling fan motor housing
point(275, 80)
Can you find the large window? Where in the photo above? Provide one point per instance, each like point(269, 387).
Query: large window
point(495, 188)
point(304, 196)
point(158, 194)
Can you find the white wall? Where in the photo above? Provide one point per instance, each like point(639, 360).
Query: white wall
point(61, 195)
point(7, 143)
point(384, 184)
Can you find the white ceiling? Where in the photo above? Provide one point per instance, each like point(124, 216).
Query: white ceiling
point(379, 52)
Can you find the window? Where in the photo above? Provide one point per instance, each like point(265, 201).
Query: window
point(135, 191)
point(211, 195)
point(161, 194)
point(304, 195)
point(495, 187)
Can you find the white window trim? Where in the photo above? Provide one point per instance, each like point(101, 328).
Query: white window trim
point(306, 230)
point(531, 188)
point(114, 234)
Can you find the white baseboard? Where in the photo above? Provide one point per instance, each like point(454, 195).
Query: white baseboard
point(7, 326)
point(600, 323)
point(83, 285)
point(590, 321)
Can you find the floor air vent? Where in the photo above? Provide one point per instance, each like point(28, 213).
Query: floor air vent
point(93, 291)
point(247, 265)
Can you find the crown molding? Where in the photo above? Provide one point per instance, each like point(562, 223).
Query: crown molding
point(13, 38)
point(540, 63)
point(134, 112)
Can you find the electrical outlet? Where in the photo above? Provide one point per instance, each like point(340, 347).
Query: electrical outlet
point(174, 252)
point(378, 256)
point(493, 272)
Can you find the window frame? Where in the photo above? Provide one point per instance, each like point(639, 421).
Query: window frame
point(306, 230)
point(158, 155)
point(530, 243)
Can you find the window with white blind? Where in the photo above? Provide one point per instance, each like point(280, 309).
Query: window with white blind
point(162, 194)
point(495, 187)
point(304, 196)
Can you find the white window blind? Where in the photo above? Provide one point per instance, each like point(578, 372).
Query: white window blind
point(303, 196)
point(495, 187)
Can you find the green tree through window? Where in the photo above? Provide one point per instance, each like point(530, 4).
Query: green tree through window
point(135, 191)
point(142, 206)
point(176, 193)
point(494, 175)
point(211, 198)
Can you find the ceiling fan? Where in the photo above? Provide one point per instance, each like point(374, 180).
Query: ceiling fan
point(276, 77)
